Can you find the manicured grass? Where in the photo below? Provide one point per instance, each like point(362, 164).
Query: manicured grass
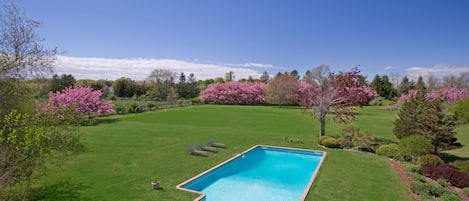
point(125, 153)
point(463, 137)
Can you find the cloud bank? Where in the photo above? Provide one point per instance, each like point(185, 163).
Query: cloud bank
point(140, 68)
point(439, 71)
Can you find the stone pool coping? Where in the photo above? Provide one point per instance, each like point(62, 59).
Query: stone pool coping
point(203, 195)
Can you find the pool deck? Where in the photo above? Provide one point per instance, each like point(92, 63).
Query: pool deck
point(202, 195)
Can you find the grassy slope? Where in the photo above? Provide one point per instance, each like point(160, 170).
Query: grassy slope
point(127, 152)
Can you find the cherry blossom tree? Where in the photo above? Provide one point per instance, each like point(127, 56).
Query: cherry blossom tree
point(242, 93)
point(335, 93)
point(78, 100)
point(450, 94)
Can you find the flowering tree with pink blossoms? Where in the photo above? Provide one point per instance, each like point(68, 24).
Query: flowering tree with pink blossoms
point(406, 97)
point(335, 93)
point(450, 94)
point(75, 101)
point(447, 94)
point(242, 93)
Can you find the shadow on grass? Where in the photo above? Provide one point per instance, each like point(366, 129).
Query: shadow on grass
point(96, 122)
point(449, 158)
point(64, 190)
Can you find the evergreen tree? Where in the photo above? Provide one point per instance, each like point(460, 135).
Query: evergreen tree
point(383, 87)
point(406, 121)
point(435, 126)
point(265, 77)
point(420, 87)
point(405, 85)
point(60, 83)
point(427, 119)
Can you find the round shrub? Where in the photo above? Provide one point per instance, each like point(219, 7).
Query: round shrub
point(322, 138)
point(388, 150)
point(331, 143)
point(430, 159)
point(415, 146)
point(344, 143)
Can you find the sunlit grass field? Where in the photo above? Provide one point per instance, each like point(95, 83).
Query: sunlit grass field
point(125, 153)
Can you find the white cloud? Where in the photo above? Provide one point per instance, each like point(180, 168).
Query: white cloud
point(439, 70)
point(140, 68)
point(388, 68)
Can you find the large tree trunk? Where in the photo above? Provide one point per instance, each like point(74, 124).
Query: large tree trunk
point(322, 125)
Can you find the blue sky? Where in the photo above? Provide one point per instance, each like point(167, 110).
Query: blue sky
point(110, 39)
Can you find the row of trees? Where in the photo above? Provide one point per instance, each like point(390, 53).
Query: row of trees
point(326, 93)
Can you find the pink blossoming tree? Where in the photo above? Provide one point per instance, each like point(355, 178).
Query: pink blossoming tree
point(242, 93)
point(449, 94)
point(77, 100)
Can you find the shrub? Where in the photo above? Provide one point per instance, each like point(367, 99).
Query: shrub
point(462, 165)
point(331, 143)
point(363, 140)
point(322, 138)
point(430, 159)
point(388, 150)
point(380, 101)
point(150, 105)
point(344, 143)
point(196, 100)
point(448, 172)
point(448, 196)
point(414, 146)
point(421, 188)
point(112, 97)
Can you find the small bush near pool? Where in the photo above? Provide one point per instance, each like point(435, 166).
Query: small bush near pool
point(388, 150)
point(331, 143)
point(322, 138)
point(430, 159)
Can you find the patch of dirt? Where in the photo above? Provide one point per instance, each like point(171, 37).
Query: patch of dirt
point(405, 179)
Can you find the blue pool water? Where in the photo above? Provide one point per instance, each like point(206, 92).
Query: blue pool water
point(263, 174)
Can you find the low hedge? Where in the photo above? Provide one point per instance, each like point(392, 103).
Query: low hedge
point(388, 150)
point(430, 159)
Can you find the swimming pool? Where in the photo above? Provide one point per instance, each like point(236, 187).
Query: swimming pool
point(261, 173)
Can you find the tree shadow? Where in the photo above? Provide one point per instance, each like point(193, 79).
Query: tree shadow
point(64, 190)
point(449, 158)
point(99, 121)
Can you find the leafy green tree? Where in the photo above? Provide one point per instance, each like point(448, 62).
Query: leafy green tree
point(60, 83)
point(412, 147)
point(406, 122)
point(229, 76)
point(162, 84)
point(124, 87)
point(383, 87)
point(282, 90)
point(26, 140)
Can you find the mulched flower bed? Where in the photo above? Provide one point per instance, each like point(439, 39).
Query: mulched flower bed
point(407, 180)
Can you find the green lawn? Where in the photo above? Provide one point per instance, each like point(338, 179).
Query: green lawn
point(125, 153)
